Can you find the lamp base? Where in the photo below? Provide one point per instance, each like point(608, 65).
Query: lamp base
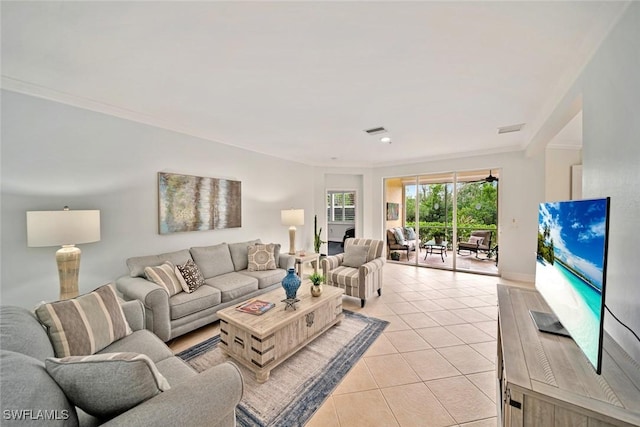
point(68, 259)
point(292, 240)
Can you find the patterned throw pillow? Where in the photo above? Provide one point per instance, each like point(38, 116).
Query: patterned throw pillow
point(189, 276)
point(106, 385)
point(86, 324)
point(261, 257)
point(165, 276)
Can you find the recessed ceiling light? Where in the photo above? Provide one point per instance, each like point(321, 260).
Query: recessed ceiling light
point(386, 139)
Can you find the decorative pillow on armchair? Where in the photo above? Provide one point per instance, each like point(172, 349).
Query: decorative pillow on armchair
point(410, 233)
point(397, 232)
point(475, 240)
point(355, 256)
point(106, 385)
point(261, 257)
point(86, 324)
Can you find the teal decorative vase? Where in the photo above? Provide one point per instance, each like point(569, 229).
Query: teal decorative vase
point(291, 283)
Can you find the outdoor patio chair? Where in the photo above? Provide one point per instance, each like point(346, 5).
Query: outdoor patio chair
point(479, 241)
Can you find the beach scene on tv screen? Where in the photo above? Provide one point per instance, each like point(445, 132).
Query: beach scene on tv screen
point(569, 267)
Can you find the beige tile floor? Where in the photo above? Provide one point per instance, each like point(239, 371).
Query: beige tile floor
point(434, 365)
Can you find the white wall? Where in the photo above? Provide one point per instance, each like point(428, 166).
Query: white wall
point(558, 172)
point(55, 155)
point(611, 160)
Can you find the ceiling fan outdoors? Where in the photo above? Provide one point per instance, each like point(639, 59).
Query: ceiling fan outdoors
point(490, 179)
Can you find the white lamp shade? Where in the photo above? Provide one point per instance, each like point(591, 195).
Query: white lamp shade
point(65, 227)
point(292, 217)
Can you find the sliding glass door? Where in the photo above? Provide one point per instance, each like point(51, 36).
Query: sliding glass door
point(444, 210)
point(477, 221)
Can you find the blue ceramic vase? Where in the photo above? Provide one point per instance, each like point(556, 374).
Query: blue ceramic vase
point(291, 283)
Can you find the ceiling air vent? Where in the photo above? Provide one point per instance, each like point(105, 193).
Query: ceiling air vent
point(512, 128)
point(375, 131)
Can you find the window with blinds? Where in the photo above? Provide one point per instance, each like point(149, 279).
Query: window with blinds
point(341, 206)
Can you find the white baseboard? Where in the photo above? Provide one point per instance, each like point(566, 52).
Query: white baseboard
point(518, 277)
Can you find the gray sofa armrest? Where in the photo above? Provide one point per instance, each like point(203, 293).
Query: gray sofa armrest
point(155, 301)
point(207, 399)
point(286, 261)
point(134, 313)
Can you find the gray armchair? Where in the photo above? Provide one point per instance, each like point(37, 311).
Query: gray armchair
point(359, 278)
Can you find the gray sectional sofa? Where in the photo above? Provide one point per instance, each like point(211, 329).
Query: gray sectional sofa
point(30, 395)
point(227, 282)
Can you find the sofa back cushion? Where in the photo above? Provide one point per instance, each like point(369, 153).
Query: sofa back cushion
point(138, 264)
point(21, 332)
point(26, 385)
point(213, 260)
point(86, 324)
point(239, 254)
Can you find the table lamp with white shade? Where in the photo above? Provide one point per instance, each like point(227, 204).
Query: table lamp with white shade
point(292, 217)
point(64, 228)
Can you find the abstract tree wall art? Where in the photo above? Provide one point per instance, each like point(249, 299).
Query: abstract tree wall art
point(194, 203)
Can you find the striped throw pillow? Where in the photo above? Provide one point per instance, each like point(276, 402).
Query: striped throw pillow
point(165, 276)
point(106, 385)
point(86, 324)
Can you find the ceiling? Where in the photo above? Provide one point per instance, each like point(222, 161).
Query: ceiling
point(303, 80)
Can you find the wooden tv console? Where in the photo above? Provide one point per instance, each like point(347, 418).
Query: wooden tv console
point(545, 380)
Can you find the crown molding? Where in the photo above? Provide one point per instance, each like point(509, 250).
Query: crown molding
point(31, 89)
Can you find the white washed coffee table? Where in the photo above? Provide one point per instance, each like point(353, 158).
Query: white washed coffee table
point(261, 343)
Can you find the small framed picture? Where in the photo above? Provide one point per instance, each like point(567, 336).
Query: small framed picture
point(393, 210)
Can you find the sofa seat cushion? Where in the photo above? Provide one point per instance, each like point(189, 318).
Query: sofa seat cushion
point(108, 384)
point(138, 264)
point(86, 324)
point(142, 341)
point(184, 304)
point(213, 260)
point(233, 285)
point(344, 276)
point(266, 278)
point(239, 253)
point(26, 384)
point(21, 332)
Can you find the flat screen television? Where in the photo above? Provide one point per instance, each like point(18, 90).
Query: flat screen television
point(571, 271)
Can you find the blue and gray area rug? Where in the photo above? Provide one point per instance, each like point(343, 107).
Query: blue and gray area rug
point(299, 386)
